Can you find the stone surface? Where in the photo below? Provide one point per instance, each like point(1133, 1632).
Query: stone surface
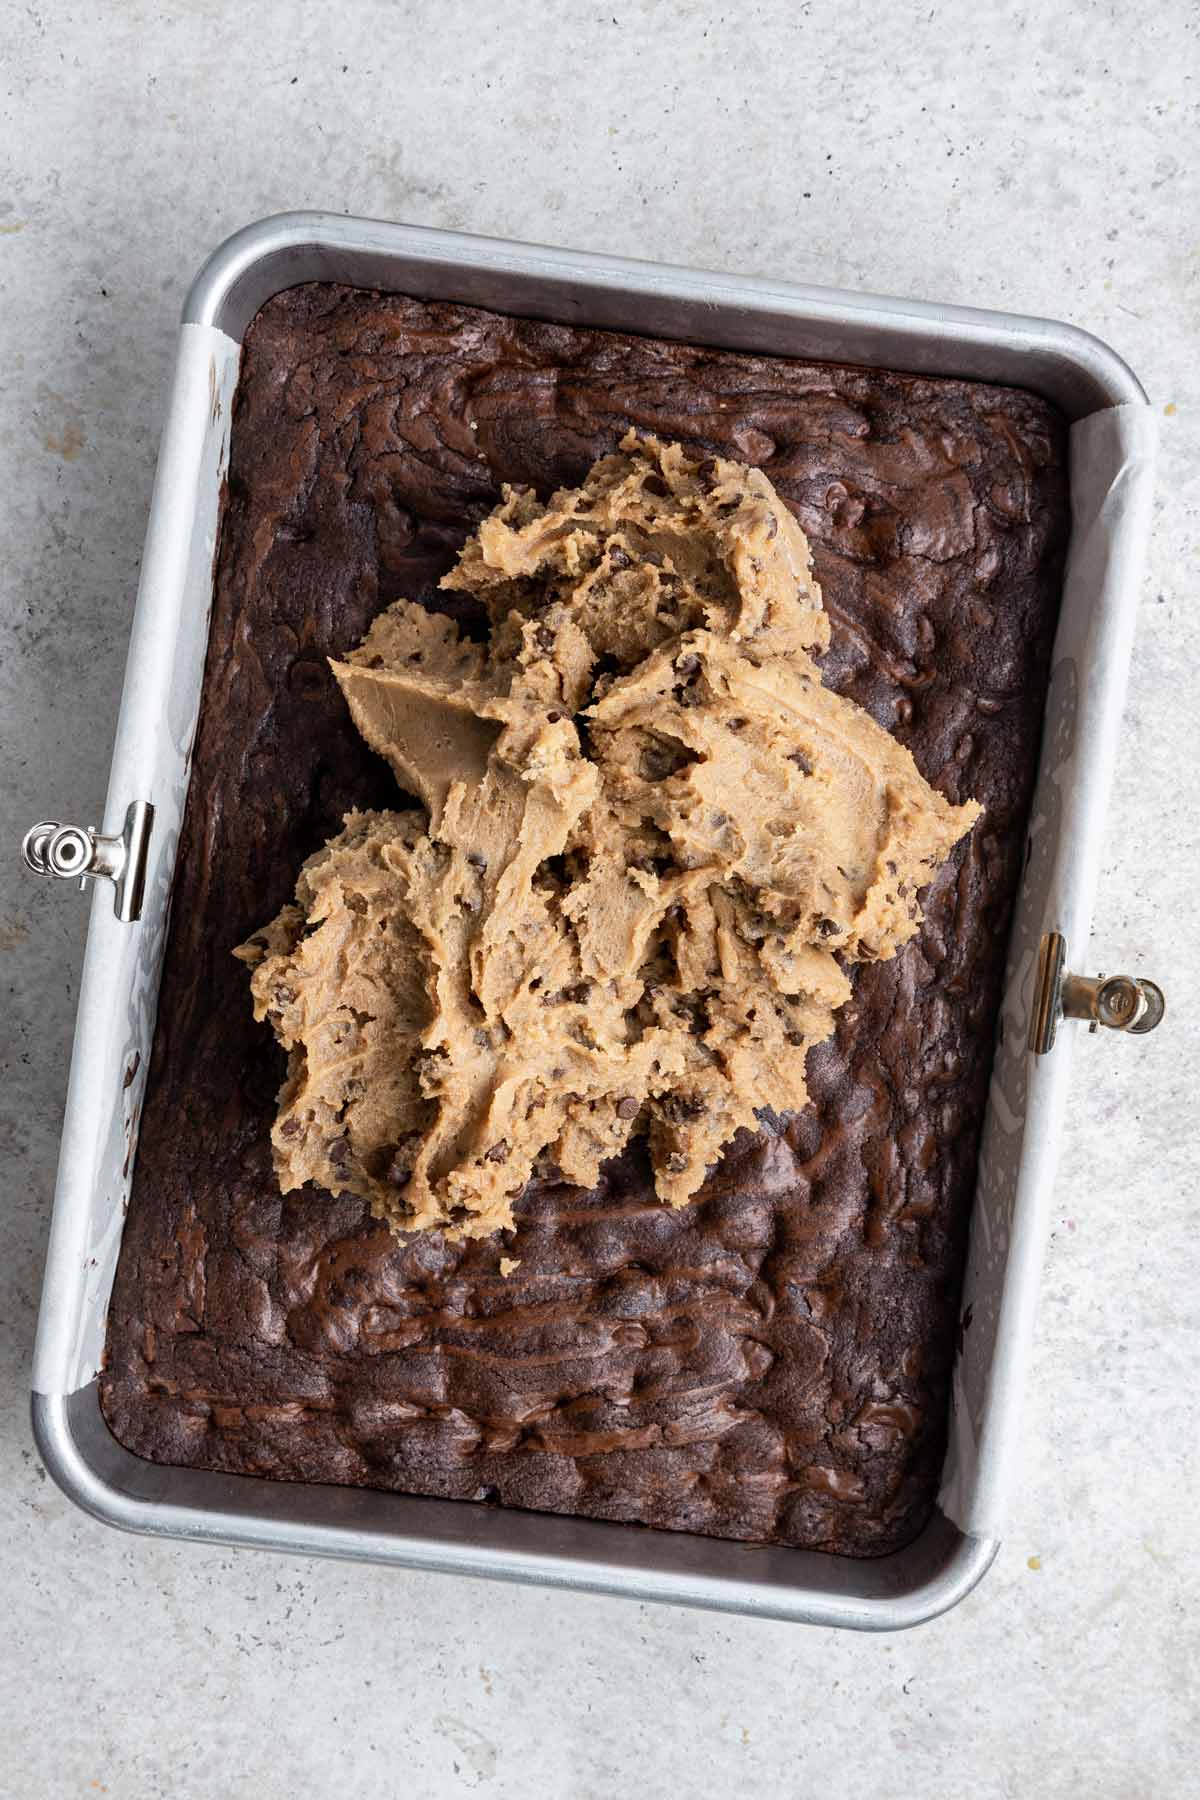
point(1037, 160)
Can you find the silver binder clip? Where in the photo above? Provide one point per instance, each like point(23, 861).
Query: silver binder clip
point(71, 852)
point(1130, 1003)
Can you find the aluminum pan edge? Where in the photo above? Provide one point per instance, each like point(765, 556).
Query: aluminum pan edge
point(455, 1537)
point(1075, 369)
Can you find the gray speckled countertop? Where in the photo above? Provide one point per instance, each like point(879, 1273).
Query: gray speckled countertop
point(1038, 158)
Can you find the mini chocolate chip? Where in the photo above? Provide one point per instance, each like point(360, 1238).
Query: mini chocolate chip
point(735, 724)
point(827, 928)
point(552, 718)
point(618, 559)
point(656, 765)
point(544, 638)
point(427, 1065)
point(498, 1152)
point(653, 557)
point(654, 484)
point(801, 761)
point(772, 526)
point(719, 819)
point(677, 1107)
point(687, 665)
point(708, 472)
point(339, 1151)
point(476, 860)
point(398, 1176)
point(627, 1108)
point(796, 1038)
point(290, 1128)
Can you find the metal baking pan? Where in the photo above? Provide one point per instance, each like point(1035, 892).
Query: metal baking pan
point(1112, 472)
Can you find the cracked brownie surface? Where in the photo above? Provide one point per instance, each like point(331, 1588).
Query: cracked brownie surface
point(771, 1361)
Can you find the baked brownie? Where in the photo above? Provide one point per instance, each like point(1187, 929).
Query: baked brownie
point(771, 1362)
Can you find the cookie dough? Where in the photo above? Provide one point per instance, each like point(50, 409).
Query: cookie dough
point(649, 845)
